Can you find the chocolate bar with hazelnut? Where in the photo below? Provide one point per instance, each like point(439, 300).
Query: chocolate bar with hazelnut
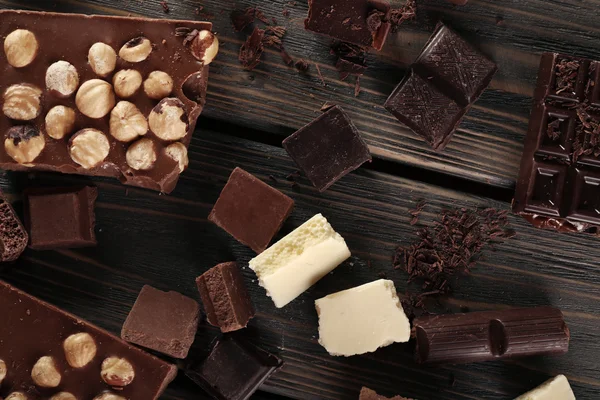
point(121, 100)
point(50, 354)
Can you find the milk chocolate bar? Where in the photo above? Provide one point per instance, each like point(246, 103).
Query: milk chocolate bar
point(46, 351)
point(102, 96)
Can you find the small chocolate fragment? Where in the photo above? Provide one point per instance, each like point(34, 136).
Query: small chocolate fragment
point(490, 335)
point(251, 51)
point(60, 218)
point(13, 236)
point(163, 321)
point(369, 394)
point(250, 210)
point(348, 68)
point(225, 298)
point(441, 86)
point(302, 65)
point(233, 370)
point(405, 13)
point(328, 148)
point(241, 19)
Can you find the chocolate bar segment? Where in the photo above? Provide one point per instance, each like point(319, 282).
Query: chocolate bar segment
point(13, 236)
point(47, 351)
point(490, 335)
point(60, 217)
point(559, 179)
point(121, 100)
point(441, 86)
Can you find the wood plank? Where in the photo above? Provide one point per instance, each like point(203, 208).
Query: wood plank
point(166, 241)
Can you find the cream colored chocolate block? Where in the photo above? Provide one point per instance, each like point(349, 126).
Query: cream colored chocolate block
point(557, 388)
point(295, 263)
point(362, 319)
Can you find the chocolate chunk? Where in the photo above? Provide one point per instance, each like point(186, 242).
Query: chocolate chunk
point(362, 22)
point(233, 370)
point(369, 394)
point(225, 298)
point(71, 354)
point(328, 148)
point(59, 218)
point(558, 182)
point(347, 68)
point(490, 335)
point(163, 321)
point(252, 50)
point(441, 87)
point(250, 210)
point(13, 237)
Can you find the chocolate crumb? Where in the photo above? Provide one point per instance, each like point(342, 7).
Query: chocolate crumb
point(499, 20)
point(274, 21)
point(374, 20)
point(287, 59)
point(347, 68)
point(302, 65)
point(252, 50)
point(165, 7)
point(320, 74)
point(566, 76)
point(241, 19)
point(286, 13)
point(416, 212)
point(292, 177)
point(357, 86)
point(261, 16)
point(405, 13)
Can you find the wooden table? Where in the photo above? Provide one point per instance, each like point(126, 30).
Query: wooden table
point(166, 241)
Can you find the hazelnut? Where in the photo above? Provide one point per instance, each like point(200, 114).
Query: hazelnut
point(3, 370)
point(205, 46)
point(89, 147)
point(20, 47)
point(117, 371)
point(60, 122)
point(22, 102)
point(127, 122)
point(168, 119)
point(95, 98)
point(16, 396)
point(45, 374)
point(102, 59)
point(194, 87)
point(136, 50)
point(141, 155)
point(80, 349)
point(63, 396)
point(158, 85)
point(108, 396)
point(24, 143)
point(127, 82)
point(178, 152)
point(62, 78)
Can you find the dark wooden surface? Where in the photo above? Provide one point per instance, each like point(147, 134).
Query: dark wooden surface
point(166, 241)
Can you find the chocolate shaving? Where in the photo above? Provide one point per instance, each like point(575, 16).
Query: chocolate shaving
point(566, 76)
point(302, 65)
point(252, 50)
point(374, 20)
point(278, 31)
point(242, 19)
point(416, 212)
point(320, 74)
point(261, 16)
point(405, 13)
point(286, 13)
point(287, 59)
point(357, 86)
point(165, 7)
point(346, 68)
point(553, 130)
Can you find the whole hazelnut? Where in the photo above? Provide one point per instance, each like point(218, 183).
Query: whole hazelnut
point(22, 102)
point(16, 396)
point(194, 87)
point(136, 50)
point(20, 47)
point(102, 59)
point(127, 122)
point(95, 98)
point(205, 46)
point(60, 122)
point(24, 143)
point(158, 85)
point(127, 82)
point(62, 78)
point(80, 349)
point(63, 396)
point(141, 155)
point(117, 371)
point(3, 370)
point(178, 152)
point(108, 396)
point(168, 119)
point(89, 147)
point(45, 374)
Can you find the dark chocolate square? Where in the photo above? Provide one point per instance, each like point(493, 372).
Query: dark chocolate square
point(250, 210)
point(233, 370)
point(328, 148)
point(163, 321)
point(60, 217)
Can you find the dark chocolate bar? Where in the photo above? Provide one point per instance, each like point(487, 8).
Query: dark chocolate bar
point(47, 351)
point(559, 180)
point(13, 236)
point(490, 335)
point(121, 100)
point(440, 87)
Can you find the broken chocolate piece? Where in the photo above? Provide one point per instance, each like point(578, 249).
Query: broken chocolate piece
point(252, 50)
point(13, 237)
point(369, 394)
point(348, 68)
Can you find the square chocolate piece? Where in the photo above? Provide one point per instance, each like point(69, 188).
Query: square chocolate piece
point(225, 298)
point(250, 210)
point(233, 370)
point(328, 148)
point(59, 218)
point(163, 321)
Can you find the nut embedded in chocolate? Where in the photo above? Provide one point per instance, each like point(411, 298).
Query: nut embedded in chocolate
point(89, 147)
point(63, 396)
point(158, 85)
point(20, 47)
point(3, 371)
point(45, 373)
point(109, 396)
point(24, 143)
point(178, 152)
point(102, 59)
point(141, 155)
point(17, 396)
point(60, 122)
point(168, 120)
point(194, 88)
point(127, 82)
point(80, 349)
point(95, 98)
point(62, 78)
point(205, 46)
point(127, 122)
point(136, 50)
point(117, 371)
point(22, 102)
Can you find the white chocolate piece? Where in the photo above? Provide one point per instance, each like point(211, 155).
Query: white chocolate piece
point(557, 388)
point(362, 319)
point(295, 263)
